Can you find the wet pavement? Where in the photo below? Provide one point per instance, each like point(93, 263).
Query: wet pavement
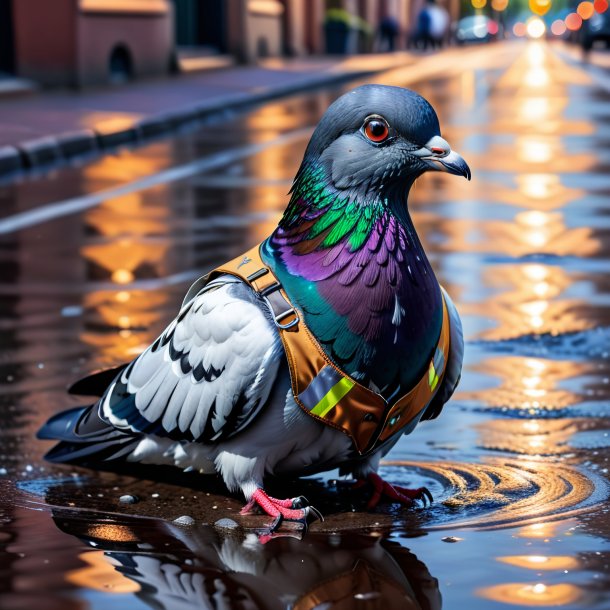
point(94, 261)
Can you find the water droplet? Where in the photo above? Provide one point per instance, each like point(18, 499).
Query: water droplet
point(128, 499)
point(226, 524)
point(367, 596)
point(184, 520)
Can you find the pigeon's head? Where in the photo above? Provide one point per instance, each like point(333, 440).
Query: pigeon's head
point(380, 139)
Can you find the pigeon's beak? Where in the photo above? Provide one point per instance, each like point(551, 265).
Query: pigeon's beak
point(438, 155)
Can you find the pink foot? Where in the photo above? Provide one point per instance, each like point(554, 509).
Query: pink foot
point(393, 492)
point(293, 509)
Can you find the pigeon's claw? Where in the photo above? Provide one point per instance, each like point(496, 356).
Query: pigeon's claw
point(394, 493)
point(292, 509)
point(300, 502)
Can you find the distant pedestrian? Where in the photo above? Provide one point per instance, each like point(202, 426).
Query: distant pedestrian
point(388, 32)
point(439, 23)
point(421, 38)
point(432, 27)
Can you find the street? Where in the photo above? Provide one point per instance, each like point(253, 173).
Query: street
point(97, 256)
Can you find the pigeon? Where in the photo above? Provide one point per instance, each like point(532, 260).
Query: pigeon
point(213, 393)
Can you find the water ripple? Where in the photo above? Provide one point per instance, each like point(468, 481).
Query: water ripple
point(502, 493)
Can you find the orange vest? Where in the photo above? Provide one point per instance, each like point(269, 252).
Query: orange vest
point(320, 388)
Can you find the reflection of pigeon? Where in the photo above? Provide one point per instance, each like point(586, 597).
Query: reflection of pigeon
point(170, 568)
point(213, 392)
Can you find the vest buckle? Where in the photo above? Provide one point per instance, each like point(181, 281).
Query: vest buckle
point(285, 314)
point(280, 307)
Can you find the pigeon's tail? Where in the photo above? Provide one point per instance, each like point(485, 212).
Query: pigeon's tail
point(85, 437)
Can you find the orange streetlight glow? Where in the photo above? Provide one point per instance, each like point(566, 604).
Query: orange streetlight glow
point(585, 10)
point(540, 7)
point(600, 6)
point(499, 5)
point(573, 22)
point(519, 29)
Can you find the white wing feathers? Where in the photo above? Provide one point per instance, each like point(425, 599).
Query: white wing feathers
point(207, 375)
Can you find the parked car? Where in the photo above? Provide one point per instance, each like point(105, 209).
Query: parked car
point(475, 28)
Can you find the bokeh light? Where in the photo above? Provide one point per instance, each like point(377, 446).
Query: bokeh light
point(492, 27)
point(519, 29)
point(585, 10)
point(478, 3)
point(600, 6)
point(573, 21)
point(535, 27)
point(558, 27)
point(499, 5)
point(540, 7)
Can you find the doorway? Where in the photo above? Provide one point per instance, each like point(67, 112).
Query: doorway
point(201, 23)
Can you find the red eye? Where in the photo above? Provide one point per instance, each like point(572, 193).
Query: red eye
point(376, 129)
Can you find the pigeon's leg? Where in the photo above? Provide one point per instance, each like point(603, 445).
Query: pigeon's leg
point(394, 493)
point(291, 509)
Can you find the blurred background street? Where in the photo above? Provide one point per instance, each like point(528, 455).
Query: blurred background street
point(118, 191)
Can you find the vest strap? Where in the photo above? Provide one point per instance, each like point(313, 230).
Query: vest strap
point(319, 387)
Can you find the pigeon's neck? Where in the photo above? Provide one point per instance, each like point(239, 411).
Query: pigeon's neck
point(356, 269)
point(322, 220)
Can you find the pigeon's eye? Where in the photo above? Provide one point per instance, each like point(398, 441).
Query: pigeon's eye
point(376, 129)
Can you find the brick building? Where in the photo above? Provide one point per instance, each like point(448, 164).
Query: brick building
point(79, 43)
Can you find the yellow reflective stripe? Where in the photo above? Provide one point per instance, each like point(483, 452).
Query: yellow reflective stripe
point(432, 377)
point(333, 396)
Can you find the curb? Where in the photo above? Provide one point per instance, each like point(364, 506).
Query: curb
point(54, 151)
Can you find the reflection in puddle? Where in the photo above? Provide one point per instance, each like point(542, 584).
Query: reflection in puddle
point(167, 566)
point(537, 594)
point(542, 437)
point(539, 530)
point(537, 149)
point(530, 300)
point(535, 109)
point(541, 562)
point(101, 574)
point(527, 385)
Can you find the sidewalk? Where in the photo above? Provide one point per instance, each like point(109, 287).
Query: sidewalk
point(51, 127)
